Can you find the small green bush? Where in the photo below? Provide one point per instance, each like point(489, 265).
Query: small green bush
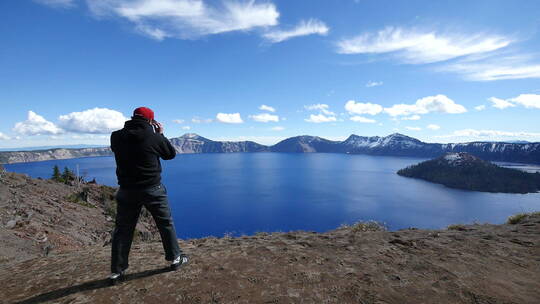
point(368, 226)
point(517, 218)
point(80, 198)
point(458, 227)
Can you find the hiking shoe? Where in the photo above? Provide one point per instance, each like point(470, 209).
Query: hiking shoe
point(179, 261)
point(114, 278)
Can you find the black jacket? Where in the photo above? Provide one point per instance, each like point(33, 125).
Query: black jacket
point(137, 149)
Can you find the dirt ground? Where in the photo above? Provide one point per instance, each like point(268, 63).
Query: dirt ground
point(55, 249)
point(474, 264)
point(42, 217)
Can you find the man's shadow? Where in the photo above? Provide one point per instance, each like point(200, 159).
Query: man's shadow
point(96, 284)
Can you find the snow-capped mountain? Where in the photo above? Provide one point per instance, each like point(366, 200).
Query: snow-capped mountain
point(392, 145)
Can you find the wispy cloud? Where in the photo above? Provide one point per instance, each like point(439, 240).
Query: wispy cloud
point(438, 103)
point(199, 120)
point(476, 56)
point(480, 108)
point(489, 135)
point(304, 28)
point(278, 128)
point(267, 108)
point(412, 117)
point(232, 118)
point(413, 128)
point(362, 119)
point(421, 46)
point(371, 84)
point(57, 3)
point(493, 68)
point(324, 108)
point(187, 19)
point(433, 127)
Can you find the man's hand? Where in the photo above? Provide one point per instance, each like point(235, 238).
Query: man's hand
point(158, 126)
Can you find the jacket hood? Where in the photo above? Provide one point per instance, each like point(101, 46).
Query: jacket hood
point(136, 129)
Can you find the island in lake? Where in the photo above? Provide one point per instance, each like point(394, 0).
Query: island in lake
point(466, 171)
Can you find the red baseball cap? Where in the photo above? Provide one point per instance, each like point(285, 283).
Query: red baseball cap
point(144, 112)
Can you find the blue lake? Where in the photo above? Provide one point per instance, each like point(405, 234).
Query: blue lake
point(243, 193)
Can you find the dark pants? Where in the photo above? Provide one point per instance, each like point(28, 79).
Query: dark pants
point(129, 206)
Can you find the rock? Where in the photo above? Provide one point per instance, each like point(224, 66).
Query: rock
point(402, 242)
point(11, 224)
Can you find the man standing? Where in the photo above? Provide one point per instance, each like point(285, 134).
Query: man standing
point(137, 149)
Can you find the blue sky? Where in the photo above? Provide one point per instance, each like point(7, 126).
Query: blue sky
point(71, 71)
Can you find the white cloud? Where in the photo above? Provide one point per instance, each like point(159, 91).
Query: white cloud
point(199, 120)
point(36, 125)
point(265, 117)
point(232, 118)
point(4, 136)
point(415, 46)
point(267, 108)
point(480, 108)
point(178, 121)
point(433, 127)
point(527, 100)
point(500, 103)
point(187, 19)
point(320, 107)
point(97, 120)
point(186, 128)
point(413, 117)
point(354, 107)
point(320, 118)
point(473, 134)
point(278, 128)
point(57, 3)
point(304, 28)
point(413, 128)
point(437, 103)
point(362, 119)
point(371, 84)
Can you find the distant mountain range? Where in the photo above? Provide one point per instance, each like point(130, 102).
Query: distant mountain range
point(466, 171)
point(50, 154)
point(80, 146)
point(392, 145)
